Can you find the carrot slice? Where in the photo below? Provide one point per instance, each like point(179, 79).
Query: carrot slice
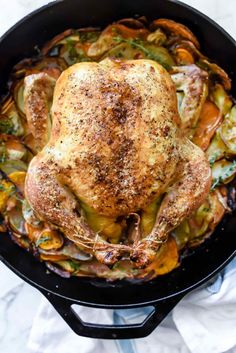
point(209, 120)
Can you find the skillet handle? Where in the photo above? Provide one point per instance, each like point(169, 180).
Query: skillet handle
point(126, 331)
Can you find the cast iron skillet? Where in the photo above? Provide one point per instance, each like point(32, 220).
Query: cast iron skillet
point(163, 292)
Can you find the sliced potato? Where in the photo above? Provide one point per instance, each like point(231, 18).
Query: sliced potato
point(194, 231)
point(158, 37)
point(222, 172)
point(148, 217)
point(10, 121)
point(228, 132)
point(15, 220)
point(217, 148)
point(71, 266)
point(29, 215)
point(10, 166)
point(18, 94)
point(221, 99)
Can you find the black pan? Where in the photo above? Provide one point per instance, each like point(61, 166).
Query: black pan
point(163, 292)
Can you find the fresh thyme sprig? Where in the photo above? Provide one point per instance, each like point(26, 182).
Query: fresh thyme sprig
point(227, 173)
point(139, 44)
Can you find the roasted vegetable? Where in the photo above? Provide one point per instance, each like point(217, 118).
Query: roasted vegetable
point(68, 251)
point(10, 121)
point(108, 227)
point(6, 190)
point(49, 65)
point(45, 238)
point(216, 73)
point(221, 99)
point(224, 141)
point(222, 172)
point(138, 49)
point(166, 260)
point(175, 28)
point(194, 231)
point(148, 217)
point(10, 166)
point(158, 37)
point(228, 132)
point(15, 220)
point(209, 120)
point(18, 94)
point(29, 215)
point(132, 23)
point(106, 40)
point(183, 56)
point(11, 148)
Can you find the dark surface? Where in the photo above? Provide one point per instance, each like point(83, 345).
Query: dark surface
point(19, 43)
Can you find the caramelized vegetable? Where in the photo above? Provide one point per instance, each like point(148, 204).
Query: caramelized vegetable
point(228, 132)
point(221, 99)
point(158, 37)
point(222, 172)
point(53, 42)
point(217, 149)
point(131, 23)
point(10, 122)
point(183, 57)
point(46, 238)
point(15, 220)
point(6, 190)
point(166, 260)
point(192, 232)
point(148, 217)
point(11, 148)
point(49, 65)
point(106, 41)
point(18, 94)
point(104, 225)
point(209, 120)
point(29, 215)
point(10, 166)
point(133, 48)
point(175, 28)
point(223, 143)
point(218, 72)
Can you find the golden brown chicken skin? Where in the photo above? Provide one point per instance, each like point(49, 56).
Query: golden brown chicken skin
point(116, 146)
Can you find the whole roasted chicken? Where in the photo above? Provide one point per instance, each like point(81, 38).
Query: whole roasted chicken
point(116, 146)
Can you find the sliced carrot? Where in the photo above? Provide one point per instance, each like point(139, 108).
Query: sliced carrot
point(167, 258)
point(209, 120)
point(18, 179)
point(183, 57)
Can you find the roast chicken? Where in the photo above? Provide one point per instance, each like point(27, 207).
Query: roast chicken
point(111, 145)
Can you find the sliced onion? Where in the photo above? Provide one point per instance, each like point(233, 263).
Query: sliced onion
point(70, 250)
point(57, 270)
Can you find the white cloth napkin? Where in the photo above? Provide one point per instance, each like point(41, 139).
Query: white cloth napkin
point(203, 322)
